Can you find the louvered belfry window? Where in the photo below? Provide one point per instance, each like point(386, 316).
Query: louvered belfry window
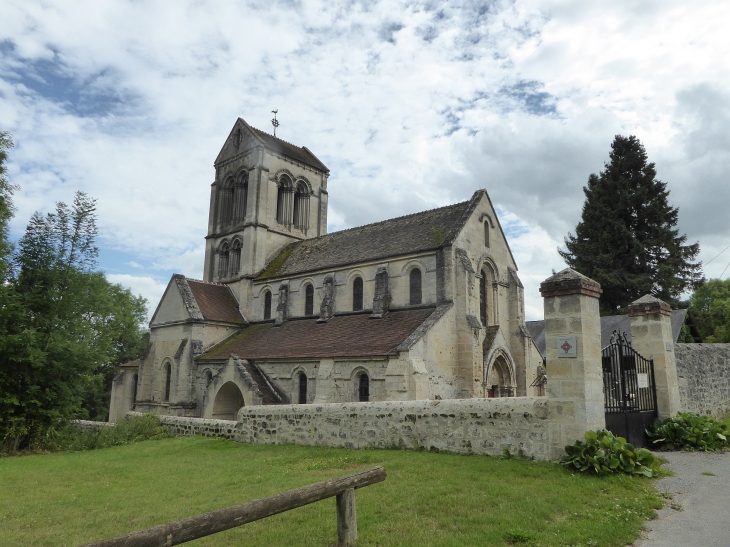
point(415, 288)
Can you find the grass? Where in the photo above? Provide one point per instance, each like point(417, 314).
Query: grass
point(427, 499)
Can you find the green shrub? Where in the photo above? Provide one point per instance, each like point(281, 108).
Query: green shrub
point(604, 454)
point(132, 430)
point(689, 432)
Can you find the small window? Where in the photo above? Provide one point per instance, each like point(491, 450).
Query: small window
point(357, 294)
point(309, 300)
point(415, 287)
point(135, 378)
point(168, 379)
point(483, 298)
point(302, 388)
point(267, 305)
point(208, 378)
point(486, 233)
point(363, 388)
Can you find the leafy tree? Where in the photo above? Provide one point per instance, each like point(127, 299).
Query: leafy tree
point(710, 308)
point(65, 328)
point(627, 238)
point(6, 205)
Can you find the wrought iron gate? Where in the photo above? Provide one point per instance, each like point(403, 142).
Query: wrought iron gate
point(629, 391)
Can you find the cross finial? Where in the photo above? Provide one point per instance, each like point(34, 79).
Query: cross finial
point(275, 122)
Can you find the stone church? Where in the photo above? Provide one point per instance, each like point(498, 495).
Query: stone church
point(424, 306)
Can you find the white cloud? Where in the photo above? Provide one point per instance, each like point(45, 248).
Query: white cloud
point(147, 287)
point(411, 105)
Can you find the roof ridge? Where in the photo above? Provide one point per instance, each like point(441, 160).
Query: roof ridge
point(386, 220)
point(206, 282)
point(275, 137)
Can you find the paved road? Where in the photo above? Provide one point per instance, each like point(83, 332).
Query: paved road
point(701, 513)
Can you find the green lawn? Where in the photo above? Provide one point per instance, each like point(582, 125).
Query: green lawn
point(427, 499)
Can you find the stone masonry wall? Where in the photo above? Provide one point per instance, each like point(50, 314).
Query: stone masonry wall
point(480, 426)
point(703, 371)
point(466, 426)
point(197, 426)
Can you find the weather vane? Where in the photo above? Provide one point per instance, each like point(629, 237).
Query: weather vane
point(275, 122)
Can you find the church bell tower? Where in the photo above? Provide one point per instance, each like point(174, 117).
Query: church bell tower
point(267, 193)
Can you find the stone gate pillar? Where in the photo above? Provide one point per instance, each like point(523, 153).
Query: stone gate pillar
point(573, 354)
point(651, 336)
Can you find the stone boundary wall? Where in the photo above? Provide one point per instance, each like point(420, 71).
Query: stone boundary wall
point(703, 372)
point(89, 425)
point(466, 426)
point(196, 426)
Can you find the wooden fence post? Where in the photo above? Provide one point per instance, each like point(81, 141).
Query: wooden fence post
point(346, 517)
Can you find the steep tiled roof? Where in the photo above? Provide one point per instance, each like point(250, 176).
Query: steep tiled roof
point(398, 236)
point(215, 301)
point(354, 335)
point(298, 153)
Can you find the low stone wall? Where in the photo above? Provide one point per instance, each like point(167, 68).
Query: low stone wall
point(88, 425)
point(703, 371)
point(479, 426)
point(196, 426)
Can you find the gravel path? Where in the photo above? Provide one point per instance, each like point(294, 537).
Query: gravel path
point(698, 513)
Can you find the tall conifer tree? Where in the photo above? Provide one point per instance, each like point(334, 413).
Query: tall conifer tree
point(627, 238)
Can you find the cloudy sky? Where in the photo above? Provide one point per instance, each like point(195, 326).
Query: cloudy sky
point(412, 105)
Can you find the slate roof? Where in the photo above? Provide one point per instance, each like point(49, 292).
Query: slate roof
point(414, 233)
point(609, 323)
point(215, 301)
point(351, 335)
point(299, 153)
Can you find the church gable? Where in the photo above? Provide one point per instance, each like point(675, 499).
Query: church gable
point(240, 139)
point(172, 307)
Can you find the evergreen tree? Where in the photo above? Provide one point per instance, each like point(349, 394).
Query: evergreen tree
point(627, 238)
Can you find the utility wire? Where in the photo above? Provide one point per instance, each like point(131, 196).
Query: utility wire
point(728, 264)
point(725, 249)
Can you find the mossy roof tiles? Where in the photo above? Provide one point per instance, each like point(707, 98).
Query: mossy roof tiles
point(405, 235)
point(215, 301)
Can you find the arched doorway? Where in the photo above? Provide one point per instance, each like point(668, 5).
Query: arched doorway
point(228, 401)
point(499, 381)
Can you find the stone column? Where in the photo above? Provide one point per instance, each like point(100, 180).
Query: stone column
point(651, 336)
point(573, 342)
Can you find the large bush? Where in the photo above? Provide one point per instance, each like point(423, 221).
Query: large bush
point(605, 454)
point(689, 432)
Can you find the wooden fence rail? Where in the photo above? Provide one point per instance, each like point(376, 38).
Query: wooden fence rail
point(182, 531)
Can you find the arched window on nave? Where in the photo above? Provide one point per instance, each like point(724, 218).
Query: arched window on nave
point(363, 388)
point(267, 305)
point(309, 300)
point(302, 388)
point(415, 287)
point(357, 294)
